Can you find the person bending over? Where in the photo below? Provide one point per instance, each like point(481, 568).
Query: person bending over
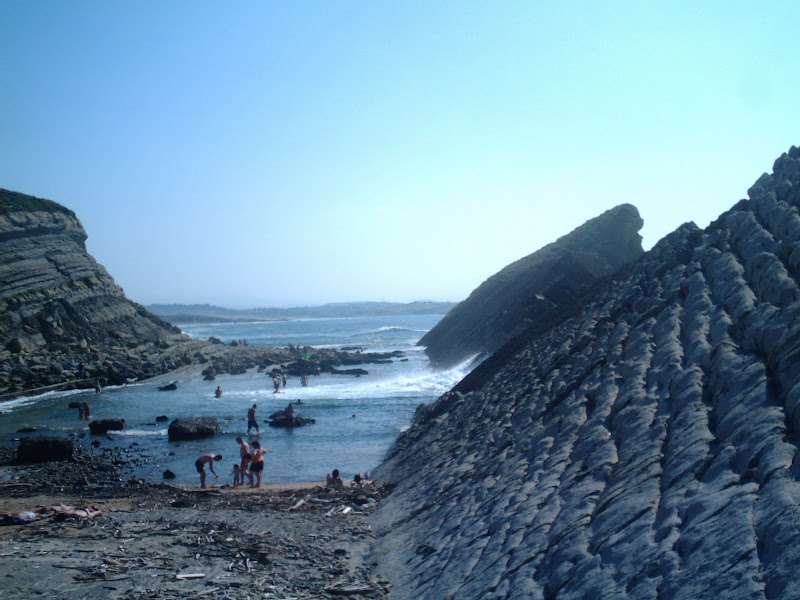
point(200, 464)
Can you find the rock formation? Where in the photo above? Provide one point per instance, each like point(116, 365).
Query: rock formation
point(537, 288)
point(58, 306)
point(646, 447)
point(192, 428)
point(65, 323)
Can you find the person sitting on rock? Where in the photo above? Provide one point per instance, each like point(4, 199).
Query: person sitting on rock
point(334, 480)
point(200, 464)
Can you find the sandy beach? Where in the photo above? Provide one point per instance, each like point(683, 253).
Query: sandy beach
point(161, 541)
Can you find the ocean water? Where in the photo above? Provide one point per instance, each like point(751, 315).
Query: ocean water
point(357, 419)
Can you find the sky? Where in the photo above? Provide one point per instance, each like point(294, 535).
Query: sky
point(258, 154)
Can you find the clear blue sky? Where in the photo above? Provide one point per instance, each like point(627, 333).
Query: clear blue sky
point(284, 153)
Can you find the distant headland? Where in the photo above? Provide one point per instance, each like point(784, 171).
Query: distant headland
point(206, 313)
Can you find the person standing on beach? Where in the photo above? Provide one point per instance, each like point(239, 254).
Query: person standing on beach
point(246, 457)
point(251, 419)
point(200, 464)
point(257, 466)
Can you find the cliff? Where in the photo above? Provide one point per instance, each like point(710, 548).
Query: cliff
point(646, 447)
point(533, 289)
point(59, 307)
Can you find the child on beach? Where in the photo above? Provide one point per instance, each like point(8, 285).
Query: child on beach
point(236, 475)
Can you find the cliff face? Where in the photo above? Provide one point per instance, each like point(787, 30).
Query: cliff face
point(59, 307)
point(645, 448)
point(535, 288)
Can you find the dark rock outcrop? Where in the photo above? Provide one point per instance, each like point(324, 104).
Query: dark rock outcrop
point(282, 419)
point(170, 387)
point(193, 428)
point(647, 447)
point(44, 449)
point(103, 426)
point(536, 288)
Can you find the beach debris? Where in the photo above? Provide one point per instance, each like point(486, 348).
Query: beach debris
point(190, 575)
point(299, 503)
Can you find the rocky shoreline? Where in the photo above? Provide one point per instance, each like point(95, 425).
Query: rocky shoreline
point(161, 541)
point(30, 373)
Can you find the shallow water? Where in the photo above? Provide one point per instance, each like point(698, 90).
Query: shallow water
point(357, 418)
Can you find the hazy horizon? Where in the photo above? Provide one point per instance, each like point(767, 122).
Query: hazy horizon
point(274, 155)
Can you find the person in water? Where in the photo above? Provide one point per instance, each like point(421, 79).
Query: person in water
point(304, 381)
point(276, 381)
point(251, 419)
point(200, 463)
point(218, 392)
point(283, 378)
point(290, 412)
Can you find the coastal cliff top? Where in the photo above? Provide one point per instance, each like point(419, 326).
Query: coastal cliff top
point(12, 202)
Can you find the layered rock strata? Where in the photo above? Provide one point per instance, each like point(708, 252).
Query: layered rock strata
point(58, 306)
point(64, 322)
point(645, 448)
point(536, 288)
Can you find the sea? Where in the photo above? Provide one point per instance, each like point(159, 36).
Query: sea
point(357, 418)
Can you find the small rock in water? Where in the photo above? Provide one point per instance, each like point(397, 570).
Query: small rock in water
point(169, 474)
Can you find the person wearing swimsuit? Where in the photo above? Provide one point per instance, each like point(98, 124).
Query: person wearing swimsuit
point(257, 466)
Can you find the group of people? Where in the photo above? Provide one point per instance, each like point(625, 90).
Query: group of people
point(334, 479)
point(84, 412)
point(250, 466)
point(277, 379)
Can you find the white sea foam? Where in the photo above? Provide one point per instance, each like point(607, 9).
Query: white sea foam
point(139, 432)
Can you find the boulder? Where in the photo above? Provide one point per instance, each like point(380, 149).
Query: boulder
point(103, 426)
point(352, 372)
point(44, 449)
point(281, 419)
point(162, 418)
point(170, 387)
point(192, 428)
point(168, 474)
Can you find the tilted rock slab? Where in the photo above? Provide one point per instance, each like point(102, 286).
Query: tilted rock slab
point(534, 289)
point(645, 448)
